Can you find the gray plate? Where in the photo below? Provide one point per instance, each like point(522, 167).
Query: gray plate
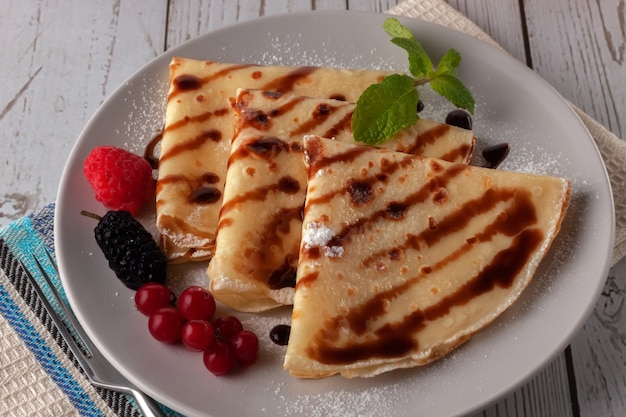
point(513, 105)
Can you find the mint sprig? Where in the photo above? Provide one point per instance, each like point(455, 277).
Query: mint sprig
point(384, 109)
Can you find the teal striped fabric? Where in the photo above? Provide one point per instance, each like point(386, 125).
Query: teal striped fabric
point(19, 241)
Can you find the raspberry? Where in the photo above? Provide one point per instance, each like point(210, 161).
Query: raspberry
point(120, 179)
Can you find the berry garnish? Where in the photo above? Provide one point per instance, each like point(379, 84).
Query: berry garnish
point(132, 253)
point(494, 155)
point(220, 358)
point(165, 325)
point(120, 179)
point(196, 303)
point(197, 335)
point(152, 296)
point(226, 328)
point(459, 118)
point(280, 334)
point(246, 346)
point(225, 343)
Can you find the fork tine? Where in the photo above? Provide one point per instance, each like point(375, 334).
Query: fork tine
point(104, 374)
point(68, 313)
point(61, 327)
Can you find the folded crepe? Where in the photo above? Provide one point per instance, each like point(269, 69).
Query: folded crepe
point(403, 258)
point(258, 239)
point(198, 130)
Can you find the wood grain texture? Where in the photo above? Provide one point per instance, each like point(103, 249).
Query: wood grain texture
point(599, 352)
point(583, 54)
point(61, 61)
point(501, 19)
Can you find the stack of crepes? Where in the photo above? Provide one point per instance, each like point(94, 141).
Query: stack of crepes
point(391, 255)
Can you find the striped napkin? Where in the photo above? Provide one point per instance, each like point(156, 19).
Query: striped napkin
point(38, 375)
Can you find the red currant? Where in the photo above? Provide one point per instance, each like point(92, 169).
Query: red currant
point(227, 327)
point(152, 296)
point(220, 358)
point(246, 346)
point(196, 303)
point(165, 324)
point(197, 335)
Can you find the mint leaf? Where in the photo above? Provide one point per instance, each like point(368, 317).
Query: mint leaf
point(384, 109)
point(395, 29)
point(420, 64)
point(449, 63)
point(452, 88)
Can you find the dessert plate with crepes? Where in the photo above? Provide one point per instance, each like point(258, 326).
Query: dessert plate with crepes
point(513, 106)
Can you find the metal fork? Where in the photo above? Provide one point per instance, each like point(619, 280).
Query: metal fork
point(97, 368)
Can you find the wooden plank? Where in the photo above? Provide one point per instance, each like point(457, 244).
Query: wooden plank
point(60, 62)
point(501, 19)
point(188, 19)
point(580, 48)
point(582, 56)
point(377, 6)
point(599, 352)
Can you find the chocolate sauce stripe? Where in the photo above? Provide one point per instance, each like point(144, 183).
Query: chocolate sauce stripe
point(428, 137)
point(437, 182)
point(397, 339)
point(186, 146)
point(257, 194)
point(317, 118)
point(191, 184)
point(203, 81)
point(199, 118)
point(346, 157)
point(452, 222)
point(454, 154)
point(286, 83)
point(375, 307)
point(345, 124)
point(319, 161)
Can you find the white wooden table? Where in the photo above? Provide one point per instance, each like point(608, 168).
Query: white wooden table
point(61, 59)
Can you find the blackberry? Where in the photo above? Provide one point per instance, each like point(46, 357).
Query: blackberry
point(132, 253)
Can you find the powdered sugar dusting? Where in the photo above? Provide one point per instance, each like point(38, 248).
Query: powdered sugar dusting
point(316, 234)
point(146, 112)
point(289, 51)
point(375, 401)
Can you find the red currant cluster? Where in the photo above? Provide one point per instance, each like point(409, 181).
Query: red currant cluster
point(224, 342)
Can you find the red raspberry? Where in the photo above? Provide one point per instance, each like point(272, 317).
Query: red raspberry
point(120, 179)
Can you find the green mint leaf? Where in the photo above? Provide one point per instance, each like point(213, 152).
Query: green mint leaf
point(451, 88)
point(395, 29)
point(449, 63)
point(420, 64)
point(384, 109)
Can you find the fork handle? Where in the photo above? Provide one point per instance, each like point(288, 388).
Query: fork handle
point(147, 405)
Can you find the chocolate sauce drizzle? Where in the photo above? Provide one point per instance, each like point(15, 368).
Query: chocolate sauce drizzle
point(517, 220)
